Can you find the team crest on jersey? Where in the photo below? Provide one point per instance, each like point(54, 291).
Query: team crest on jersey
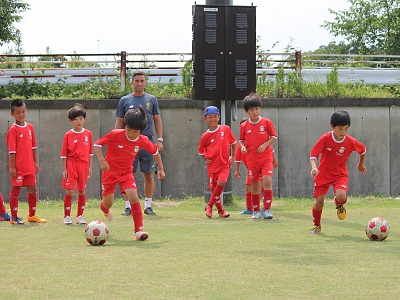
point(136, 149)
point(86, 140)
point(340, 151)
point(30, 134)
point(262, 130)
point(222, 135)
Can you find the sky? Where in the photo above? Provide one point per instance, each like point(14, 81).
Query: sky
point(162, 26)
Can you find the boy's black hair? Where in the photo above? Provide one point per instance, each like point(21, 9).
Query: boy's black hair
point(340, 118)
point(136, 119)
point(76, 111)
point(250, 101)
point(16, 103)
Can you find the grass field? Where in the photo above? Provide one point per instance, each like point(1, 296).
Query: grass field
point(189, 256)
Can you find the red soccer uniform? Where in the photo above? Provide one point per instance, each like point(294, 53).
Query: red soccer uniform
point(77, 145)
point(121, 152)
point(216, 146)
point(334, 157)
point(21, 141)
point(255, 134)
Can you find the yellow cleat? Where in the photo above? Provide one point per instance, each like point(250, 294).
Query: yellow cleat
point(315, 230)
point(341, 212)
point(36, 219)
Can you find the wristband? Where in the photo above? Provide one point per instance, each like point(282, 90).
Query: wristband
point(160, 139)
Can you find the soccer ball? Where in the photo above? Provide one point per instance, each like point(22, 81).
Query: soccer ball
point(377, 229)
point(96, 233)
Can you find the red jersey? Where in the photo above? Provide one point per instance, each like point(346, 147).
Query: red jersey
point(242, 157)
point(216, 146)
point(255, 134)
point(121, 152)
point(21, 141)
point(77, 145)
point(334, 156)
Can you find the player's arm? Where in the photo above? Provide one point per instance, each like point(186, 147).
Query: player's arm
point(104, 166)
point(11, 162)
point(360, 165)
point(65, 172)
point(90, 166)
point(314, 168)
point(119, 123)
point(160, 173)
point(159, 130)
point(237, 169)
point(37, 170)
point(242, 147)
point(231, 158)
point(264, 146)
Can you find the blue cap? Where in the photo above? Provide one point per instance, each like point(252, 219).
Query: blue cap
point(211, 110)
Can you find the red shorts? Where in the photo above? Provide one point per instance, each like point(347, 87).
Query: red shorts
point(77, 174)
point(248, 179)
point(339, 183)
point(222, 175)
point(110, 180)
point(23, 180)
point(255, 173)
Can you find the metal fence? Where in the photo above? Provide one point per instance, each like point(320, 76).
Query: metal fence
point(167, 67)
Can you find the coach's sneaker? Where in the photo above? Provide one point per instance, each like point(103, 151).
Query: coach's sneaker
point(80, 220)
point(223, 214)
point(149, 211)
point(127, 211)
point(246, 212)
point(315, 230)
point(5, 217)
point(109, 215)
point(208, 209)
point(141, 235)
point(267, 214)
point(36, 219)
point(67, 220)
point(257, 215)
point(17, 221)
point(341, 212)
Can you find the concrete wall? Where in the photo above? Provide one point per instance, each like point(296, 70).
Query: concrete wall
point(299, 123)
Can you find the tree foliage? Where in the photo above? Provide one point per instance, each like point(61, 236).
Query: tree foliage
point(10, 11)
point(370, 26)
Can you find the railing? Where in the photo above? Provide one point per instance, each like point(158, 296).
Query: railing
point(167, 67)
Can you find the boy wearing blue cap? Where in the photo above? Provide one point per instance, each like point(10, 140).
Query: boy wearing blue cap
point(215, 148)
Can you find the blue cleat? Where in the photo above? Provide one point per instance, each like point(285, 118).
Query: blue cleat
point(5, 217)
point(246, 212)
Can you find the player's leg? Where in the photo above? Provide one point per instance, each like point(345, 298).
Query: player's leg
point(319, 195)
point(69, 194)
point(83, 170)
point(136, 209)
point(105, 205)
point(16, 185)
point(249, 203)
point(30, 182)
point(81, 207)
point(255, 199)
point(127, 211)
point(267, 196)
point(212, 184)
point(4, 216)
point(340, 189)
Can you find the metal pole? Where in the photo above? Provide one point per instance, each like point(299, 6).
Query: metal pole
point(123, 70)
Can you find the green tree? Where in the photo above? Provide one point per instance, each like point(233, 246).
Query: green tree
point(370, 26)
point(10, 11)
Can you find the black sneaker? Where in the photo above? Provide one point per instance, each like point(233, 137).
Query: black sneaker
point(127, 212)
point(149, 211)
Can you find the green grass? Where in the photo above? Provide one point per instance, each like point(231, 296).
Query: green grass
point(189, 256)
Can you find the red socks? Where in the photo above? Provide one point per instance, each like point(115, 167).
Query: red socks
point(255, 199)
point(137, 216)
point(267, 195)
point(216, 197)
point(14, 194)
point(316, 216)
point(32, 201)
point(103, 209)
point(249, 203)
point(2, 207)
point(67, 205)
point(81, 204)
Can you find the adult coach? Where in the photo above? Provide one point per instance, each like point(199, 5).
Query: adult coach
point(150, 104)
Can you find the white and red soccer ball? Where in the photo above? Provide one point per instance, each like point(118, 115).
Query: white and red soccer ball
point(96, 233)
point(377, 229)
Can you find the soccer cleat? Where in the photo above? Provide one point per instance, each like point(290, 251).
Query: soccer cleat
point(127, 211)
point(109, 215)
point(315, 230)
point(341, 212)
point(223, 214)
point(257, 215)
point(67, 220)
point(208, 210)
point(17, 221)
point(267, 214)
point(141, 235)
point(246, 212)
point(5, 217)
point(149, 211)
point(36, 219)
point(80, 220)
